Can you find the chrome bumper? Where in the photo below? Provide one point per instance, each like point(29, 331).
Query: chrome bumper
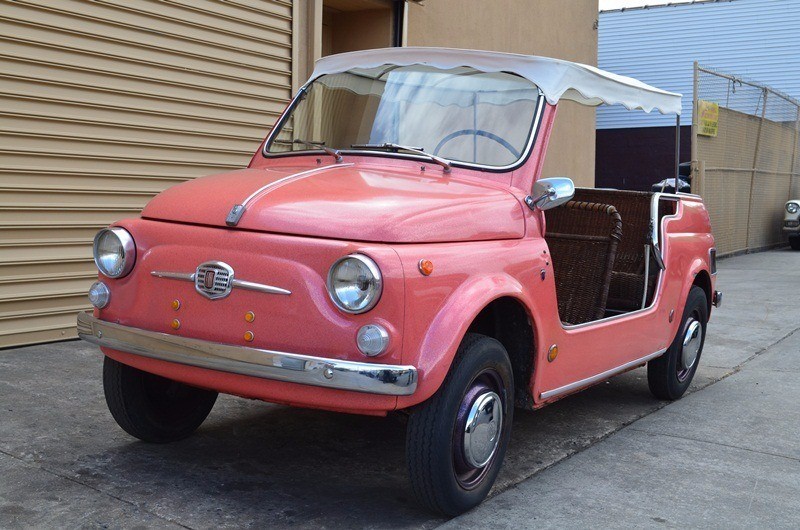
point(371, 378)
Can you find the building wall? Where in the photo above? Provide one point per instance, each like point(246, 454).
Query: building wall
point(564, 29)
point(103, 105)
point(756, 39)
point(637, 158)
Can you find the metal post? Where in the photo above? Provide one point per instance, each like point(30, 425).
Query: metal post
point(755, 169)
point(695, 94)
point(794, 154)
point(700, 177)
point(677, 151)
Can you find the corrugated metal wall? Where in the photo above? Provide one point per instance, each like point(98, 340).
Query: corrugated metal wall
point(102, 105)
point(757, 39)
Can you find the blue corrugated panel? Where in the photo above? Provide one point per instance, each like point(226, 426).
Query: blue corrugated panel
point(755, 39)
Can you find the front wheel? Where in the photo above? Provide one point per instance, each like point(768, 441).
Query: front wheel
point(794, 242)
point(153, 408)
point(457, 439)
point(670, 375)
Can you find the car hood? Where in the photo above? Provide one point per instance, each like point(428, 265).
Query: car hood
point(347, 201)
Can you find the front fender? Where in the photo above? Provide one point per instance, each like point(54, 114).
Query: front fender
point(440, 308)
point(441, 339)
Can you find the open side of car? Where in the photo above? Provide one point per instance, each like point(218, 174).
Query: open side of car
point(392, 246)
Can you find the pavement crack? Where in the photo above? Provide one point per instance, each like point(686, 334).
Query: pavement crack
point(93, 488)
point(739, 366)
point(729, 446)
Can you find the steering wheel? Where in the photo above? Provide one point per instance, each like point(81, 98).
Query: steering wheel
point(476, 132)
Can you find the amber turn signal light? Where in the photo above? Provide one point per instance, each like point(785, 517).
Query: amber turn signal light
point(176, 324)
point(425, 267)
point(249, 316)
point(176, 304)
point(249, 336)
point(552, 353)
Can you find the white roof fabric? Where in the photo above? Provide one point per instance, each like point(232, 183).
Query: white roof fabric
point(557, 79)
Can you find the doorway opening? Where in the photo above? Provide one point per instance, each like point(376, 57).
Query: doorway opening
point(350, 25)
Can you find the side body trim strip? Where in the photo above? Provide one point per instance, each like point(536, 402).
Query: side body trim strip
point(566, 389)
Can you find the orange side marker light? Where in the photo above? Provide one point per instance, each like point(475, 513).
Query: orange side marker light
point(425, 267)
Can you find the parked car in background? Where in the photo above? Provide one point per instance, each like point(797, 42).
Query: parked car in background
point(393, 247)
point(791, 223)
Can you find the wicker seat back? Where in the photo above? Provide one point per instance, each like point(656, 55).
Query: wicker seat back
point(627, 279)
point(583, 238)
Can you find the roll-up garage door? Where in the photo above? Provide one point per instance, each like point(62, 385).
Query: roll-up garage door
point(102, 105)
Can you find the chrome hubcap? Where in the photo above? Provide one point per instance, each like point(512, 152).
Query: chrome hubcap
point(482, 431)
point(692, 340)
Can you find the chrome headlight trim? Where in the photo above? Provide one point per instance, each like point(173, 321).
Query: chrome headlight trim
point(127, 251)
point(792, 207)
point(377, 282)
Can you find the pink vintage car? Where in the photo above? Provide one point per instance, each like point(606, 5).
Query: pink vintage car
point(392, 247)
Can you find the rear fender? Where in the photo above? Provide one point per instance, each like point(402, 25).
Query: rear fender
point(698, 263)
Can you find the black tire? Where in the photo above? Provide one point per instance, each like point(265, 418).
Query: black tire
point(794, 242)
point(669, 376)
point(480, 379)
point(153, 408)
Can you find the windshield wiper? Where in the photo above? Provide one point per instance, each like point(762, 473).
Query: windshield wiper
point(397, 147)
point(321, 145)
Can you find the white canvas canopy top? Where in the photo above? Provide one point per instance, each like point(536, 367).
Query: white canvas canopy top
point(557, 79)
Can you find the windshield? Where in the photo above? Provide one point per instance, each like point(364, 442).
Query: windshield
point(460, 114)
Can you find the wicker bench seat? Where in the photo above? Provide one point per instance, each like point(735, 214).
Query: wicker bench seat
point(583, 238)
point(627, 286)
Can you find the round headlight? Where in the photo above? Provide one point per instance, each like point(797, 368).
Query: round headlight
point(114, 252)
point(792, 207)
point(354, 283)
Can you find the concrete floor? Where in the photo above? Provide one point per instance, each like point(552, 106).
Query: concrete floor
point(725, 457)
point(65, 463)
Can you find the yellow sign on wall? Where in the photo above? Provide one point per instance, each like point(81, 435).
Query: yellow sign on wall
point(708, 114)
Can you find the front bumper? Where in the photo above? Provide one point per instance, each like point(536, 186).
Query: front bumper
point(384, 379)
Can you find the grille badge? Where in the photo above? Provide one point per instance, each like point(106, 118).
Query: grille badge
point(214, 279)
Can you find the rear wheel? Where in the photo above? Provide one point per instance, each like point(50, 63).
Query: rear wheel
point(153, 408)
point(794, 242)
point(457, 439)
point(670, 375)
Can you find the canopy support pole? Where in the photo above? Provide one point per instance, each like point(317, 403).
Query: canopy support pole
point(677, 151)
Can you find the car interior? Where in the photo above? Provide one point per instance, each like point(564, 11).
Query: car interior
point(602, 251)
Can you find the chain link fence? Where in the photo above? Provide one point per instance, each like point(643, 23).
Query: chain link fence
point(745, 158)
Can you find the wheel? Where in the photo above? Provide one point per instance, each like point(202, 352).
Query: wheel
point(152, 408)
point(794, 242)
point(671, 374)
point(457, 439)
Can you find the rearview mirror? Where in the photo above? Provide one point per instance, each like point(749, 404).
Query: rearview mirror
point(551, 192)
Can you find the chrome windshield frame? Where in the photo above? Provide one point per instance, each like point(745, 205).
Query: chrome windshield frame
point(524, 155)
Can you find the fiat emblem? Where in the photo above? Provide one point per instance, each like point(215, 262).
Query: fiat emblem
point(213, 279)
point(208, 279)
